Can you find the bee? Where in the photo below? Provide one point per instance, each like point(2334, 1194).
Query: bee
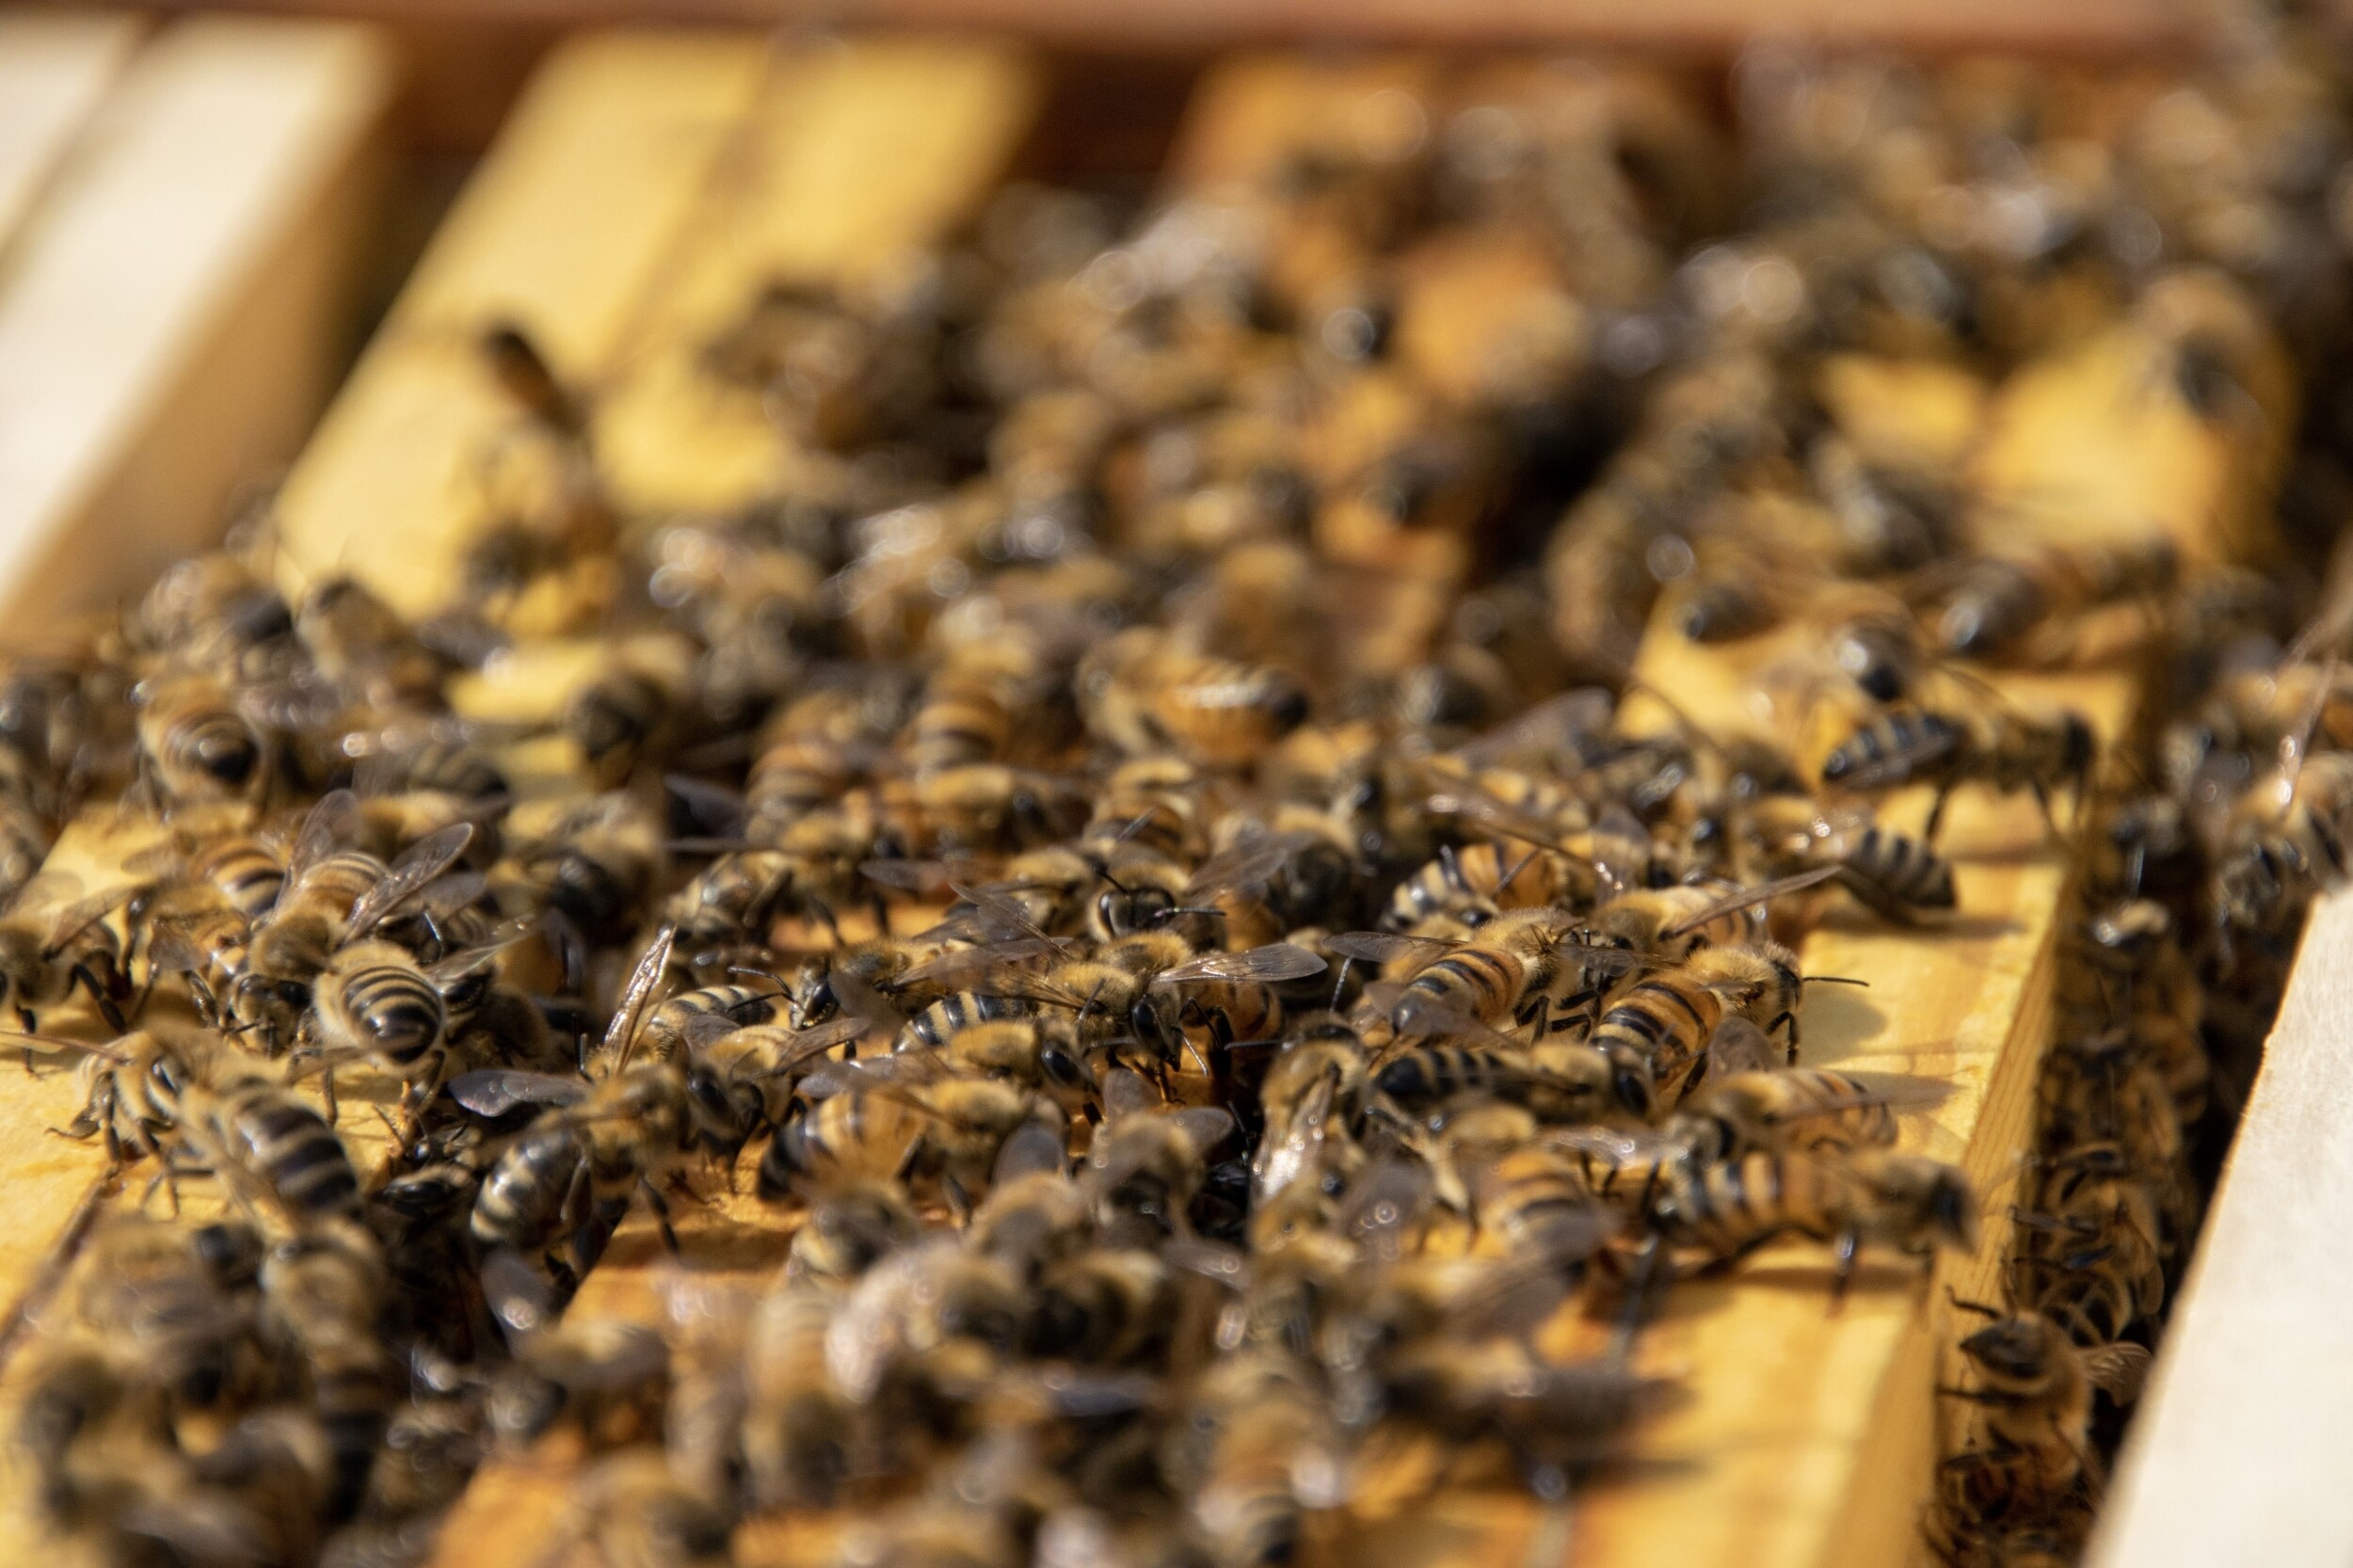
point(1150, 1159)
point(2004, 750)
point(195, 743)
point(598, 1142)
point(1033, 1213)
point(813, 751)
point(49, 948)
point(1143, 696)
point(1151, 802)
point(1486, 879)
point(2097, 1219)
point(594, 861)
point(332, 896)
point(851, 1224)
point(186, 1096)
point(616, 718)
point(798, 1433)
point(1811, 1110)
point(364, 651)
point(209, 610)
point(636, 1510)
point(1532, 1201)
point(2000, 603)
point(2034, 1391)
point(1253, 1423)
point(374, 1001)
point(1868, 1197)
point(965, 714)
point(523, 375)
point(1893, 874)
point(1485, 979)
point(1561, 1081)
point(1104, 1306)
point(324, 1289)
point(2285, 838)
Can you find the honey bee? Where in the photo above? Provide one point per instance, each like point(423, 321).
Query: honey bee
point(1150, 1159)
point(594, 861)
point(798, 1433)
point(48, 948)
point(374, 1002)
point(331, 896)
point(523, 375)
point(1892, 874)
point(325, 1289)
point(195, 743)
point(1806, 1109)
point(2000, 603)
point(2004, 750)
point(1868, 1197)
point(2034, 1392)
point(1143, 696)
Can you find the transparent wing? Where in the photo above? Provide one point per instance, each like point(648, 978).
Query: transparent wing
point(332, 823)
point(418, 865)
point(620, 1035)
point(1748, 897)
point(1382, 947)
point(1276, 961)
point(496, 1091)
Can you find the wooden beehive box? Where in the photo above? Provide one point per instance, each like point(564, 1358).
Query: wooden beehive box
point(645, 186)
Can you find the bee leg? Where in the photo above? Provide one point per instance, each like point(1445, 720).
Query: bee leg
point(26, 1019)
point(882, 912)
point(1850, 1243)
point(1791, 1020)
point(824, 912)
point(1936, 814)
point(327, 1092)
point(101, 1000)
point(661, 1206)
point(2042, 799)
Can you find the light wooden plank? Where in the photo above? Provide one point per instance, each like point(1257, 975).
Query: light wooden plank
point(2236, 1454)
point(563, 230)
point(54, 72)
point(168, 329)
point(1809, 1438)
point(859, 152)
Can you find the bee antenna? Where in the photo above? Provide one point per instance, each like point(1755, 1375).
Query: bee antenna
point(1834, 979)
point(1967, 1305)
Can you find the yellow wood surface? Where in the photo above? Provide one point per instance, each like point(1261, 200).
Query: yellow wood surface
point(55, 71)
point(563, 230)
point(169, 326)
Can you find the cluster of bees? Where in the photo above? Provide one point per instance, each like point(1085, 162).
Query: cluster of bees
point(1238, 1036)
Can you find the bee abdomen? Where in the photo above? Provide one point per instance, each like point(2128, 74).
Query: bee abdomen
point(294, 1149)
point(521, 1200)
point(399, 1013)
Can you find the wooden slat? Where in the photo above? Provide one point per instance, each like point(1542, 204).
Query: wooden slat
point(563, 230)
point(54, 72)
point(2088, 27)
point(168, 328)
point(1810, 1437)
point(2236, 1454)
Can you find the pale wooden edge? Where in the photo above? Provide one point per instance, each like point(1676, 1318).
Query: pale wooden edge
point(564, 226)
point(170, 329)
point(2239, 1451)
point(54, 72)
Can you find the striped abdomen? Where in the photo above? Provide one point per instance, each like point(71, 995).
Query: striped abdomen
point(1534, 1203)
point(1726, 1208)
point(666, 1025)
point(847, 1135)
point(285, 1143)
point(1424, 1076)
point(964, 718)
point(932, 1028)
point(391, 1009)
point(1909, 743)
point(520, 1203)
point(1895, 873)
point(1485, 982)
point(1664, 1022)
point(246, 873)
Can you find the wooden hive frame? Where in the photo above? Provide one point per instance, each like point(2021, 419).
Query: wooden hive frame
point(647, 181)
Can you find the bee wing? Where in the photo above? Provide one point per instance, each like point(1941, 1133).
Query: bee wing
point(1030, 1148)
point(1747, 897)
point(1428, 1018)
point(332, 821)
point(1205, 1126)
point(708, 1029)
point(2120, 1371)
point(418, 865)
point(1514, 1297)
point(76, 917)
point(1739, 1046)
point(1276, 961)
point(1000, 909)
point(1906, 1093)
point(1618, 1146)
point(861, 1001)
point(620, 1035)
point(1615, 830)
point(470, 960)
point(452, 894)
point(1246, 867)
point(714, 809)
point(568, 947)
point(495, 1091)
point(930, 877)
point(58, 1043)
point(1383, 947)
point(810, 1043)
point(1228, 1266)
point(1466, 799)
point(964, 967)
point(155, 863)
point(1126, 1093)
point(1564, 720)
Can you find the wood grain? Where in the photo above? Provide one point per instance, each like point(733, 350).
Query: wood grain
point(2235, 1455)
point(55, 71)
point(168, 328)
